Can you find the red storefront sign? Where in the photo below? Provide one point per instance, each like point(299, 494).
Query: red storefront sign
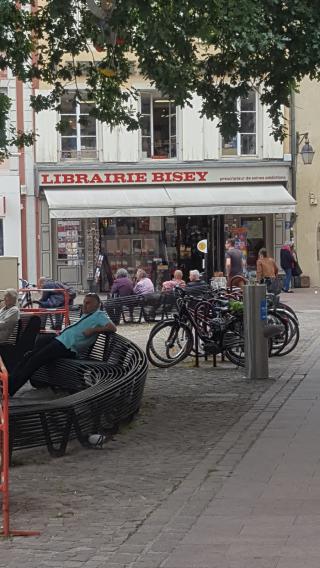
point(95, 178)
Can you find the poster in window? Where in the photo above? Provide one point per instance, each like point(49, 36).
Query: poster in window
point(136, 246)
point(150, 245)
point(254, 228)
point(124, 246)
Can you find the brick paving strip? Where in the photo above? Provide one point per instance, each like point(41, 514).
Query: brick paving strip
point(131, 504)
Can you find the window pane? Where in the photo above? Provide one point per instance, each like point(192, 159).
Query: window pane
point(145, 125)
point(145, 104)
point(173, 147)
point(68, 147)
point(173, 125)
point(89, 128)
point(249, 102)
point(85, 107)
point(68, 105)
point(248, 122)
point(229, 147)
point(88, 143)
point(248, 144)
point(161, 128)
point(69, 125)
point(68, 143)
point(146, 148)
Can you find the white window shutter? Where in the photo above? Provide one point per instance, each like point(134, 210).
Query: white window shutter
point(211, 137)
point(271, 149)
point(192, 131)
point(109, 143)
point(119, 145)
point(128, 141)
point(47, 140)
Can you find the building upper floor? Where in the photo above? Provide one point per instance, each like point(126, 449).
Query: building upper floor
point(168, 133)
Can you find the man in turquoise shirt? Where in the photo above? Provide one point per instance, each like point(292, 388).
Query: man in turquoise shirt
point(72, 340)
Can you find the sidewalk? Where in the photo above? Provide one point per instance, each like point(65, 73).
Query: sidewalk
point(216, 472)
point(267, 514)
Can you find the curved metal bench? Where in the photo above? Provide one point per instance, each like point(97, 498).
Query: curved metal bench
point(106, 389)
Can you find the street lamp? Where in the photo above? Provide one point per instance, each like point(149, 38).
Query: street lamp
point(307, 152)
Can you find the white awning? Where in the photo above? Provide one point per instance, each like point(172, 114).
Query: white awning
point(154, 201)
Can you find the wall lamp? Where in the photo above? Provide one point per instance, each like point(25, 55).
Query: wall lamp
point(307, 152)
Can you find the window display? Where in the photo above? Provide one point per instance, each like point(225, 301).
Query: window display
point(159, 245)
point(93, 246)
point(70, 241)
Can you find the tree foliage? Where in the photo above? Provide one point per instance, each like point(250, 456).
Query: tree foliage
point(218, 49)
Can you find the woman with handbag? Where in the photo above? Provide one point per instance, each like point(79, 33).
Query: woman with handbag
point(267, 270)
point(296, 269)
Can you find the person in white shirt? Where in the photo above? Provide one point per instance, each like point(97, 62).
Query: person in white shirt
point(9, 314)
point(144, 285)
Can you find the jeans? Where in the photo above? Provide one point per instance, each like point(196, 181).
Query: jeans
point(287, 279)
point(47, 349)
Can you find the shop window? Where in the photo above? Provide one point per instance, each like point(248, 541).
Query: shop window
point(70, 242)
point(159, 245)
point(256, 238)
point(245, 141)
point(158, 129)
point(79, 136)
point(1, 238)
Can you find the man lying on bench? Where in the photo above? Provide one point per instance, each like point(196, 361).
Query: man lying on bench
point(71, 341)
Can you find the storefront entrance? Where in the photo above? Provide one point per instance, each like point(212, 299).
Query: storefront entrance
point(89, 252)
point(159, 245)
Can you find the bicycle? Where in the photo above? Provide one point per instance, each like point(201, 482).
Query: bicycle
point(219, 331)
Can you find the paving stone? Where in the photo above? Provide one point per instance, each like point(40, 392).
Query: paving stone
point(138, 498)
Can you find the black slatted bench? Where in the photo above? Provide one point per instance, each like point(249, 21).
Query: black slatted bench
point(135, 309)
point(100, 392)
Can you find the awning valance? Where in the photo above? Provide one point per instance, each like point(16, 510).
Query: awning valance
point(151, 201)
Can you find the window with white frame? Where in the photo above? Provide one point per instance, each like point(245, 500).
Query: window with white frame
point(79, 136)
point(244, 143)
point(158, 127)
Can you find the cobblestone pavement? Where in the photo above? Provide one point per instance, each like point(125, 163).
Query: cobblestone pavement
point(130, 504)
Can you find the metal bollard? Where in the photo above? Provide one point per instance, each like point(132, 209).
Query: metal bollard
point(255, 340)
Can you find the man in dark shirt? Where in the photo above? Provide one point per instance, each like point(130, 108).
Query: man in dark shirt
point(234, 260)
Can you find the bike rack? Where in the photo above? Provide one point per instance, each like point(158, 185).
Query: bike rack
point(4, 458)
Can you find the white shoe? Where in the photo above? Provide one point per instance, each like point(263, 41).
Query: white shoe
point(96, 440)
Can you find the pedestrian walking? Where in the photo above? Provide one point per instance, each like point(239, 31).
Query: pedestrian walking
point(287, 263)
point(234, 264)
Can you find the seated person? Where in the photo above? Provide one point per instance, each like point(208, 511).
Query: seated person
point(122, 285)
point(71, 342)
point(53, 299)
point(194, 279)
point(144, 284)
point(9, 314)
point(50, 298)
point(168, 285)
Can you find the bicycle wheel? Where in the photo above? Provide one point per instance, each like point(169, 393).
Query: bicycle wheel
point(279, 341)
point(169, 343)
point(293, 332)
point(233, 343)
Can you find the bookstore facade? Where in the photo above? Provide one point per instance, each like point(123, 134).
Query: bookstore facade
point(96, 220)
